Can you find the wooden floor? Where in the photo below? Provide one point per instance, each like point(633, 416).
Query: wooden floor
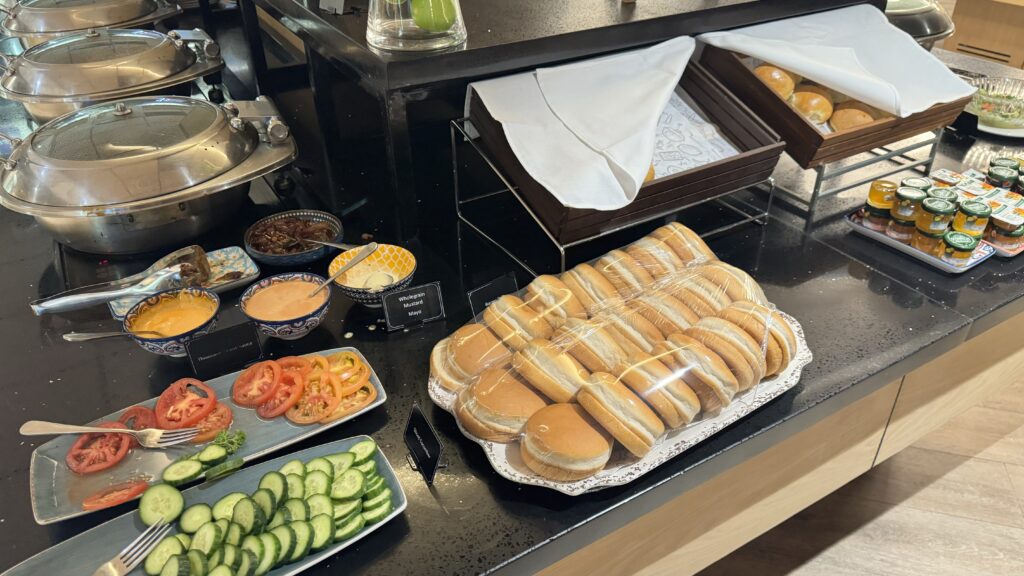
point(953, 503)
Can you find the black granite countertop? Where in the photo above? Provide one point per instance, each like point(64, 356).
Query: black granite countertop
point(869, 316)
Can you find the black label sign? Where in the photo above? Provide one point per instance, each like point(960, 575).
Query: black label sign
point(224, 351)
point(481, 297)
point(424, 445)
point(413, 306)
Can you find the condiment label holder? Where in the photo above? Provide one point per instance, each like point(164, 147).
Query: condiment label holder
point(482, 296)
point(425, 447)
point(413, 306)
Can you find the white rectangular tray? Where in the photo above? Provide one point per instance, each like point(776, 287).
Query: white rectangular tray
point(984, 251)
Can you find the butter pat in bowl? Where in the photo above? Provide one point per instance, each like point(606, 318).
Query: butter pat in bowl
point(281, 305)
point(388, 269)
point(165, 321)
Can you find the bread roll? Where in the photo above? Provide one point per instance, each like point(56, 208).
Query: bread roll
point(591, 345)
point(515, 322)
point(813, 106)
point(670, 397)
point(655, 256)
point(768, 329)
point(497, 406)
point(780, 81)
point(632, 330)
point(590, 286)
point(553, 300)
point(700, 294)
point(702, 370)
point(687, 245)
point(466, 353)
point(619, 411)
point(817, 89)
point(734, 346)
point(562, 442)
point(551, 371)
point(628, 277)
point(650, 174)
point(847, 118)
point(738, 285)
point(666, 312)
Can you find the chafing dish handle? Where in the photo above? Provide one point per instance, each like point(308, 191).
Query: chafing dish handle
point(15, 142)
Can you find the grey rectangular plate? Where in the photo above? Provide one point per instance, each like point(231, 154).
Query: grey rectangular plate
point(982, 253)
point(57, 493)
point(90, 549)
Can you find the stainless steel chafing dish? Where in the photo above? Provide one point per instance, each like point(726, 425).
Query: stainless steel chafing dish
point(143, 173)
point(36, 21)
point(925, 20)
point(84, 68)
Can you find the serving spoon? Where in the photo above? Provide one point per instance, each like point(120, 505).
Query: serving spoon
point(84, 336)
point(363, 255)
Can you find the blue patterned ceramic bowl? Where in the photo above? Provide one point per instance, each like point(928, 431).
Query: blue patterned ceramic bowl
point(298, 258)
point(296, 327)
point(171, 345)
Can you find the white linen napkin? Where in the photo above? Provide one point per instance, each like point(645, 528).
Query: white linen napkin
point(586, 131)
point(853, 50)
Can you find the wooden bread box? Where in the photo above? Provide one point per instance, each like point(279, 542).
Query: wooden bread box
point(808, 146)
point(759, 151)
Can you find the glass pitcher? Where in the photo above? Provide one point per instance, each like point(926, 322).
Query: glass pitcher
point(415, 24)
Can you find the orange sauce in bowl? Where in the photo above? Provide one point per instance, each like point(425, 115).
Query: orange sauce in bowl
point(174, 316)
point(285, 301)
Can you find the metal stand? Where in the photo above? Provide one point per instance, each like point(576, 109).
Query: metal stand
point(747, 212)
point(897, 156)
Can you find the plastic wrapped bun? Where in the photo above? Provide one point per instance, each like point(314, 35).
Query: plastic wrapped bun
point(631, 329)
point(622, 413)
point(466, 353)
point(550, 370)
point(590, 344)
point(700, 294)
point(703, 371)
point(768, 329)
point(628, 277)
point(562, 442)
point(736, 283)
point(739, 351)
point(553, 300)
point(655, 256)
point(674, 401)
point(515, 322)
point(590, 286)
point(665, 311)
point(497, 406)
point(685, 243)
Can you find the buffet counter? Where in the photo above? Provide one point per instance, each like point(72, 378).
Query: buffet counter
point(898, 350)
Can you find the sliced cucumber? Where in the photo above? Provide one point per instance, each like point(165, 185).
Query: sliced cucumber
point(297, 508)
point(341, 461)
point(266, 500)
point(195, 516)
point(367, 468)
point(160, 502)
point(177, 565)
point(247, 566)
point(320, 504)
point(316, 482)
point(223, 469)
point(221, 570)
point(323, 531)
point(213, 455)
point(345, 508)
point(350, 528)
point(294, 467)
point(374, 515)
point(296, 488)
point(223, 525)
point(226, 505)
point(374, 487)
point(363, 451)
point(303, 540)
point(271, 548)
point(322, 464)
point(197, 563)
point(234, 534)
point(181, 472)
point(286, 536)
point(349, 485)
point(281, 517)
point(185, 539)
point(252, 543)
point(276, 483)
point(249, 516)
point(384, 496)
point(169, 546)
point(230, 556)
point(207, 539)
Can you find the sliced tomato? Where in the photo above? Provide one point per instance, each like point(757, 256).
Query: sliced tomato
point(209, 427)
point(256, 384)
point(138, 418)
point(114, 495)
point(288, 393)
point(320, 397)
point(352, 403)
point(98, 451)
point(295, 364)
point(185, 403)
point(319, 362)
point(343, 361)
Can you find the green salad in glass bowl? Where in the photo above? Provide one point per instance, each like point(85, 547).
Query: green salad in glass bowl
point(999, 102)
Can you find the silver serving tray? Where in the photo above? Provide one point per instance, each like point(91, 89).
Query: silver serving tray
point(623, 467)
point(222, 261)
point(84, 553)
point(57, 493)
point(982, 253)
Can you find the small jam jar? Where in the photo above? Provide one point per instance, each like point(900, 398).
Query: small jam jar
point(1011, 163)
point(948, 194)
point(882, 194)
point(902, 230)
point(918, 182)
point(875, 218)
point(1002, 177)
point(927, 243)
point(907, 203)
point(935, 216)
point(957, 248)
point(1009, 241)
point(972, 218)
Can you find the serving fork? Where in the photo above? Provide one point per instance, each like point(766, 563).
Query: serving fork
point(148, 437)
point(134, 552)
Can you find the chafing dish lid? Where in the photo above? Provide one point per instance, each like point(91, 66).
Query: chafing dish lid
point(46, 16)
